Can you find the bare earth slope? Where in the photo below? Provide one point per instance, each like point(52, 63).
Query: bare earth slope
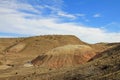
point(105, 67)
point(41, 44)
point(58, 57)
point(68, 55)
point(13, 49)
point(7, 42)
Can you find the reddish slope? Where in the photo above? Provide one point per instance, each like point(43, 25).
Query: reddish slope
point(69, 55)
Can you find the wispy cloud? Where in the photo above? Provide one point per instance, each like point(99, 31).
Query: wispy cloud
point(112, 27)
point(97, 15)
point(63, 14)
point(12, 20)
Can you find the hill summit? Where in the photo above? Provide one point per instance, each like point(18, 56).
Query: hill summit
point(41, 44)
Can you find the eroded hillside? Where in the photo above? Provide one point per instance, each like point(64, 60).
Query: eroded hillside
point(58, 57)
point(65, 56)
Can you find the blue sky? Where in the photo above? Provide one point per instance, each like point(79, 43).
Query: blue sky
point(90, 20)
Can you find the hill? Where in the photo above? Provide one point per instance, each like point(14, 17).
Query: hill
point(68, 55)
point(20, 50)
point(58, 57)
point(41, 44)
point(105, 66)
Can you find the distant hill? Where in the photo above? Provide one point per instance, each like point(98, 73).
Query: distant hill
point(41, 44)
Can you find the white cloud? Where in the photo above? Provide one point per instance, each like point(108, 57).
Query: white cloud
point(15, 5)
point(97, 15)
point(13, 21)
point(63, 14)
